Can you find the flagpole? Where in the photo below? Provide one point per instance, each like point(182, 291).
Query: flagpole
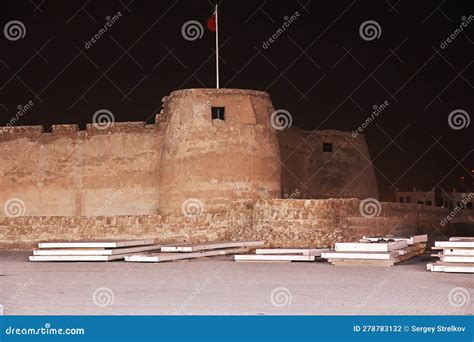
point(217, 50)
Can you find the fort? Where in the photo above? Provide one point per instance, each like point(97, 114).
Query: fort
point(212, 166)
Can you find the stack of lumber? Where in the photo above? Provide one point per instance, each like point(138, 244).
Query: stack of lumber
point(282, 254)
point(175, 252)
point(377, 250)
point(91, 250)
point(456, 255)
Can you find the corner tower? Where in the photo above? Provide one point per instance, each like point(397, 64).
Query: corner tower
point(218, 147)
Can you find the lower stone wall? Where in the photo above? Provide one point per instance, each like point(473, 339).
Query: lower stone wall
point(302, 223)
point(284, 222)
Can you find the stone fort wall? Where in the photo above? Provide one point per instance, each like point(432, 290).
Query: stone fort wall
point(283, 222)
point(343, 170)
point(67, 172)
point(137, 169)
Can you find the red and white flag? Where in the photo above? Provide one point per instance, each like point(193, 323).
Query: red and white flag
point(212, 22)
point(213, 26)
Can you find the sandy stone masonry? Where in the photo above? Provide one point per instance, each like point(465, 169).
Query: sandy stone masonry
point(281, 222)
point(131, 180)
point(217, 161)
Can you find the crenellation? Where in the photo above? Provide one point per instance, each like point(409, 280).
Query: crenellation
point(63, 131)
point(115, 127)
point(32, 133)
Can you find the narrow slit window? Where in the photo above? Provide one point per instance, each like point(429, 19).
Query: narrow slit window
point(218, 113)
point(327, 147)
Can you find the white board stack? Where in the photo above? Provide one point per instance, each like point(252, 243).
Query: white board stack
point(282, 255)
point(91, 250)
point(173, 252)
point(377, 250)
point(456, 256)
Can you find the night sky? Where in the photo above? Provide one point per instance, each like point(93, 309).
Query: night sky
point(320, 69)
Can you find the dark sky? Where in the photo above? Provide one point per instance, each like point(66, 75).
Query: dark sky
point(320, 70)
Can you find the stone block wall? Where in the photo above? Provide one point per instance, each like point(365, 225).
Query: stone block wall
point(285, 222)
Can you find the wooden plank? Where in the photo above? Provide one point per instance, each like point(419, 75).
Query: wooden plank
point(273, 257)
point(369, 246)
point(458, 251)
point(360, 255)
point(452, 267)
point(167, 256)
point(101, 251)
point(352, 262)
point(456, 258)
point(76, 257)
point(96, 244)
point(301, 251)
point(411, 240)
point(196, 247)
point(412, 248)
point(455, 244)
point(413, 254)
point(461, 238)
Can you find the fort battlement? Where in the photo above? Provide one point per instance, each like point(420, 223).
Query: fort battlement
point(213, 145)
point(38, 134)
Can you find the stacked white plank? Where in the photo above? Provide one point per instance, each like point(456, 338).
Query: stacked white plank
point(91, 250)
point(174, 252)
point(377, 250)
point(456, 256)
point(282, 255)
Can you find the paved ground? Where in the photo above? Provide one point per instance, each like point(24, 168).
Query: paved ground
point(221, 286)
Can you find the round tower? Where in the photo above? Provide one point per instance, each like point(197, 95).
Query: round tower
point(218, 147)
